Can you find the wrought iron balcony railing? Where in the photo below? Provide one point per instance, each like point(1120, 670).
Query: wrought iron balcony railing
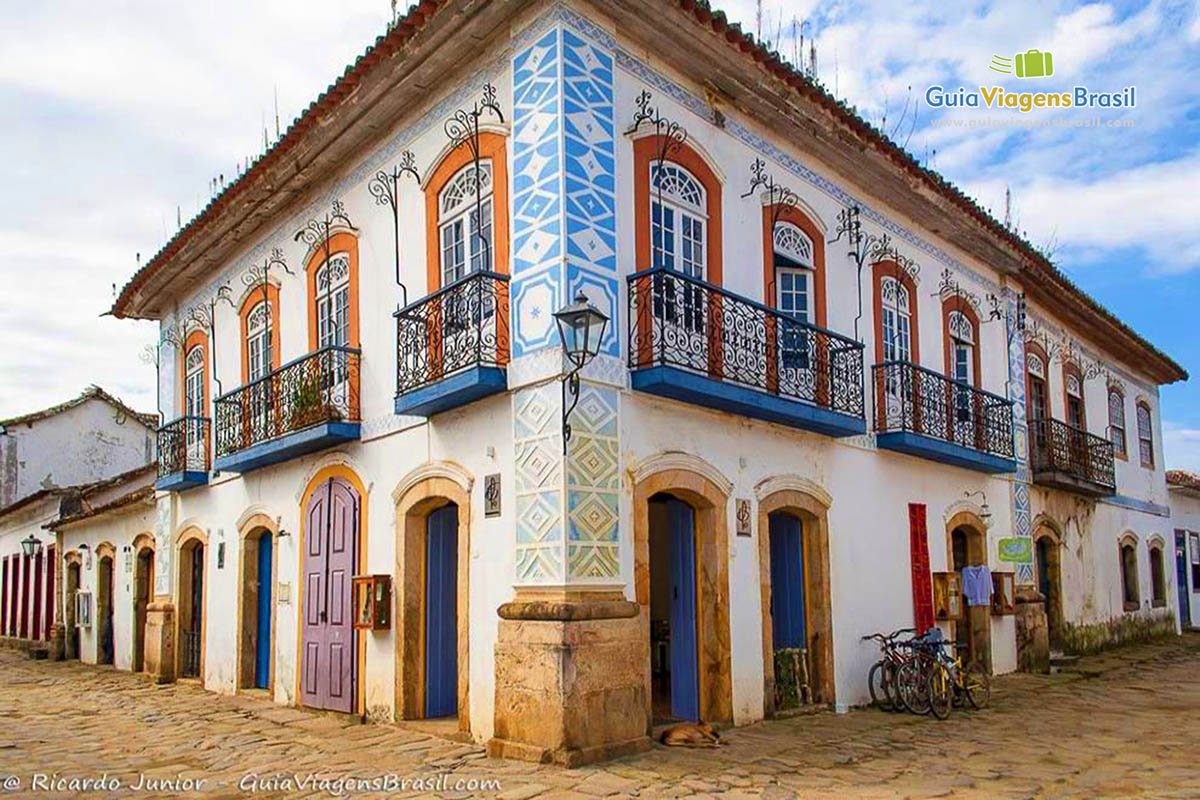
point(683, 322)
point(910, 398)
point(1059, 448)
point(183, 446)
point(314, 389)
point(460, 326)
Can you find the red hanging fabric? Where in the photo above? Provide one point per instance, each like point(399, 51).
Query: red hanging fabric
point(922, 579)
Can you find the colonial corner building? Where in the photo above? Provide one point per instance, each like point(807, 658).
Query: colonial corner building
point(831, 394)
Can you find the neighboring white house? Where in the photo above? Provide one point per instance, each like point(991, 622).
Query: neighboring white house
point(778, 448)
point(1183, 490)
point(57, 461)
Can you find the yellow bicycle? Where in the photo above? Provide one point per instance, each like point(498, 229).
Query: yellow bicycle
point(951, 683)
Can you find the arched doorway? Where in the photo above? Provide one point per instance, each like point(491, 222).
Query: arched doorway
point(432, 574)
point(794, 574)
point(71, 640)
point(257, 641)
point(330, 540)
point(681, 569)
point(968, 548)
point(190, 605)
point(143, 592)
point(1047, 555)
point(104, 608)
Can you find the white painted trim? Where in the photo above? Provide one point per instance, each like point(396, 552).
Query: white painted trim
point(437, 469)
point(674, 459)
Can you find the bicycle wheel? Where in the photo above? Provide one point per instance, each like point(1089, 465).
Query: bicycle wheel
point(912, 688)
point(977, 685)
point(941, 691)
point(877, 685)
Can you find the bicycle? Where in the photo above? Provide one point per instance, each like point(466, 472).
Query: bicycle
point(950, 683)
point(881, 678)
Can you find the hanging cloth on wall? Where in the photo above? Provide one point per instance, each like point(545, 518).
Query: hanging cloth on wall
point(977, 585)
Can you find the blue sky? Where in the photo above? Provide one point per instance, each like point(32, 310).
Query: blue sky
point(120, 113)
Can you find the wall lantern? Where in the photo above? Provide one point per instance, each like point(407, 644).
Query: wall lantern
point(984, 512)
point(30, 546)
point(580, 328)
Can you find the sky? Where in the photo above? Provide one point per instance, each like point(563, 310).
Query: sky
point(116, 117)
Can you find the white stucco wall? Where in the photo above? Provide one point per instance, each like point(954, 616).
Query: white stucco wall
point(1185, 517)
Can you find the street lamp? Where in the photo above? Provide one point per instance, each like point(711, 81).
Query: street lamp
point(30, 546)
point(580, 328)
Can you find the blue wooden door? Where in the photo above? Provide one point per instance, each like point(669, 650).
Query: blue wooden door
point(262, 655)
point(685, 680)
point(1181, 581)
point(441, 613)
point(787, 582)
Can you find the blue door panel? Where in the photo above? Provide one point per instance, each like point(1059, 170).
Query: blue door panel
point(787, 582)
point(1181, 581)
point(262, 660)
point(685, 688)
point(441, 613)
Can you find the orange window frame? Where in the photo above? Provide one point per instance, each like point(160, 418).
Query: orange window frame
point(645, 152)
point(879, 271)
point(1036, 349)
point(771, 296)
point(1137, 420)
point(1071, 368)
point(340, 242)
point(1123, 453)
point(196, 338)
point(493, 147)
point(249, 303)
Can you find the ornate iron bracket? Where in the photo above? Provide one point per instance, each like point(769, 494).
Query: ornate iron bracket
point(850, 226)
point(260, 275)
point(205, 316)
point(150, 355)
point(670, 136)
point(463, 128)
point(780, 198)
point(570, 387)
point(385, 188)
point(317, 233)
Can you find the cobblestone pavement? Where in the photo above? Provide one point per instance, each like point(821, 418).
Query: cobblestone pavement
point(1118, 725)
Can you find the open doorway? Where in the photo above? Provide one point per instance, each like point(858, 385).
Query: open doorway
point(191, 609)
point(1048, 564)
point(674, 670)
point(104, 610)
point(71, 642)
point(258, 623)
point(972, 635)
point(143, 587)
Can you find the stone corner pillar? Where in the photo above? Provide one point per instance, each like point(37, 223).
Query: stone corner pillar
point(1033, 632)
point(160, 641)
point(57, 642)
point(570, 685)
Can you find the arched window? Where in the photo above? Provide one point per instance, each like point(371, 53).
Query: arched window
point(962, 347)
point(333, 302)
point(194, 390)
point(1116, 421)
point(465, 230)
point(896, 320)
point(1145, 435)
point(1037, 378)
point(1158, 583)
point(678, 219)
point(794, 268)
point(1073, 396)
point(259, 356)
point(1129, 575)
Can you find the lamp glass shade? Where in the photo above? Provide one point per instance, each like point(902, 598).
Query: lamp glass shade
point(580, 328)
point(29, 546)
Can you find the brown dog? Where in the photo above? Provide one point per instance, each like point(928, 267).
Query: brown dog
point(691, 734)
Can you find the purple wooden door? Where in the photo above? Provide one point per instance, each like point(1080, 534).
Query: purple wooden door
point(330, 544)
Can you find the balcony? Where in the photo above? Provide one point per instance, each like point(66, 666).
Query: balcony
point(452, 346)
point(1065, 457)
point(182, 453)
point(304, 406)
point(923, 413)
point(695, 342)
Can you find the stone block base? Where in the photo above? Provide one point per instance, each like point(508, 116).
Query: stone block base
point(160, 641)
point(570, 680)
point(1033, 632)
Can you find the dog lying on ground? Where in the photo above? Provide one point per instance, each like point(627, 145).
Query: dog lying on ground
point(691, 734)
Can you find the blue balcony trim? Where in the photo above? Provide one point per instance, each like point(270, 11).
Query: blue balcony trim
point(273, 451)
point(680, 384)
point(178, 481)
point(453, 391)
point(916, 444)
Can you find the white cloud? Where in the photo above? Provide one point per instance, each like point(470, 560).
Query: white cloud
point(1181, 446)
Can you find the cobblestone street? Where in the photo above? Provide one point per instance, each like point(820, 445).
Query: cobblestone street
point(1118, 725)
